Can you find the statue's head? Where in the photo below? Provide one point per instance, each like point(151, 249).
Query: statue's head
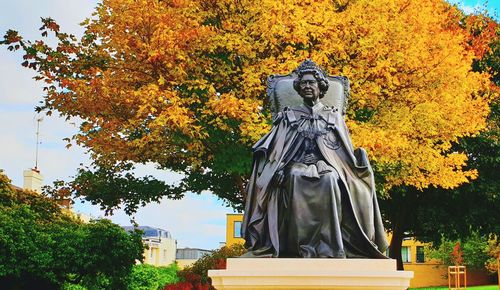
point(311, 81)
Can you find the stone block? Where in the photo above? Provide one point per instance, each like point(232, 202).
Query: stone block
point(284, 273)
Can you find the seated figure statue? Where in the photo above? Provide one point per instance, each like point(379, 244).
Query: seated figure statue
point(310, 193)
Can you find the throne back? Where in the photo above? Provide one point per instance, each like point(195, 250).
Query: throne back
point(281, 93)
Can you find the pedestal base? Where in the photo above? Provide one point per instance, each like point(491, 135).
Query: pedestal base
point(283, 273)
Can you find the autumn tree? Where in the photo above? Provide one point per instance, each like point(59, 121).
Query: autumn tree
point(467, 210)
point(182, 84)
point(457, 213)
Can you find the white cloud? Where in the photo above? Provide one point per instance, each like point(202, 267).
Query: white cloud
point(150, 169)
point(18, 87)
point(18, 154)
point(196, 221)
point(24, 15)
point(19, 94)
point(468, 9)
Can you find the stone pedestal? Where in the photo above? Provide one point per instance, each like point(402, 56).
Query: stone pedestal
point(283, 273)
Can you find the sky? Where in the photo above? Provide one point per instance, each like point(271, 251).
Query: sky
point(197, 221)
point(469, 6)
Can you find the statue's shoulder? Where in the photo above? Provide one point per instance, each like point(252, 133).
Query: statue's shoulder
point(293, 114)
point(286, 114)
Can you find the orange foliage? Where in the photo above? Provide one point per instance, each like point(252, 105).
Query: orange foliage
point(457, 255)
point(153, 80)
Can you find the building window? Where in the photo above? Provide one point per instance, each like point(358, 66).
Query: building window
point(420, 254)
point(237, 229)
point(406, 254)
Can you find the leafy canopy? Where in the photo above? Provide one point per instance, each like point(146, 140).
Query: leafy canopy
point(41, 247)
point(181, 84)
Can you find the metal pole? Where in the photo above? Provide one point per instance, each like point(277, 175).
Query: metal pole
point(37, 141)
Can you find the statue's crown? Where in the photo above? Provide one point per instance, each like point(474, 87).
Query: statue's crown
point(307, 66)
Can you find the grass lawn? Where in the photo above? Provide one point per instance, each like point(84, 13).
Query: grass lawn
point(487, 287)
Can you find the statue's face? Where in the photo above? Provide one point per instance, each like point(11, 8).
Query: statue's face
point(309, 89)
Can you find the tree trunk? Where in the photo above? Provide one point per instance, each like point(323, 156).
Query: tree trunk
point(404, 207)
point(395, 246)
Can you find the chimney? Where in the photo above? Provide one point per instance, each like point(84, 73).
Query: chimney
point(33, 180)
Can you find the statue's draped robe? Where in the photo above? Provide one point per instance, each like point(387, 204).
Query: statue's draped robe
point(325, 209)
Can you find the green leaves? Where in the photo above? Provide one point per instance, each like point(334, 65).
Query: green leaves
point(474, 250)
point(147, 277)
point(41, 247)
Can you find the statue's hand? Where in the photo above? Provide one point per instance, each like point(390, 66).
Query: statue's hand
point(279, 177)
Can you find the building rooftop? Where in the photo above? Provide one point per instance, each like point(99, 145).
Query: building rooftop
point(197, 249)
point(150, 232)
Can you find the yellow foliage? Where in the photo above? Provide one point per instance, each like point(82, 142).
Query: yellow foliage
point(166, 74)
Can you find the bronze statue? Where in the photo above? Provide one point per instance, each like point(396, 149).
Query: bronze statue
point(311, 194)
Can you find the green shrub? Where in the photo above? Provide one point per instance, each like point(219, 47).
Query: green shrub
point(148, 277)
point(475, 251)
point(43, 248)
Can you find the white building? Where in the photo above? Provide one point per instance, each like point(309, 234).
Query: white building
point(161, 247)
